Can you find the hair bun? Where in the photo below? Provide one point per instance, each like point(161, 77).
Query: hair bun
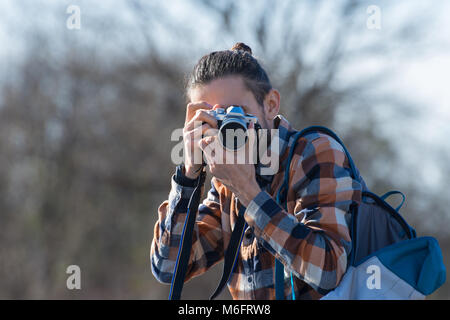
point(242, 46)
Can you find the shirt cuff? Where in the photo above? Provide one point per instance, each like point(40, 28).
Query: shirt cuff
point(178, 201)
point(179, 196)
point(182, 180)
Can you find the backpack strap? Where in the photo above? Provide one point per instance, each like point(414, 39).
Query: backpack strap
point(281, 199)
point(327, 131)
point(282, 194)
point(390, 193)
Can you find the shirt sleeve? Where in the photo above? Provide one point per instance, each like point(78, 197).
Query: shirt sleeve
point(207, 242)
point(313, 242)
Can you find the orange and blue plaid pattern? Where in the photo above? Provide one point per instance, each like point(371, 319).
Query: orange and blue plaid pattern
point(311, 238)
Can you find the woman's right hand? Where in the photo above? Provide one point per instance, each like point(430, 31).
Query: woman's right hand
point(193, 132)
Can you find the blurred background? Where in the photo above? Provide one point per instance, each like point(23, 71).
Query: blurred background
point(90, 92)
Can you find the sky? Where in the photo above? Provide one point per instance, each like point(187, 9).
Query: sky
point(423, 79)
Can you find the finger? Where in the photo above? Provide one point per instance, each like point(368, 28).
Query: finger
point(216, 106)
point(205, 142)
point(208, 151)
point(200, 117)
point(200, 132)
point(215, 151)
point(193, 107)
point(251, 135)
point(210, 132)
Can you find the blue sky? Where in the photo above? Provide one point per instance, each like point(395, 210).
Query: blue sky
point(423, 79)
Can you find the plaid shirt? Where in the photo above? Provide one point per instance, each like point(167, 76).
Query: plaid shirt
point(311, 238)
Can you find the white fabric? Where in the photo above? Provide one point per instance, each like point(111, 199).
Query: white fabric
point(356, 283)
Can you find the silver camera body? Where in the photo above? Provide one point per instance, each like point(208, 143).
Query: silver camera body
point(233, 125)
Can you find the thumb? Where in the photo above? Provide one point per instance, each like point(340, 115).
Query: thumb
point(203, 143)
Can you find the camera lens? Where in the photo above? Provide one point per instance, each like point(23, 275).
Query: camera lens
point(233, 133)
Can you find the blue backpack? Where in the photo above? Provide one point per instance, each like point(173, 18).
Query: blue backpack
point(387, 260)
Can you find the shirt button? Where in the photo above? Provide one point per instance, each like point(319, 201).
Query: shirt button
point(250, 279)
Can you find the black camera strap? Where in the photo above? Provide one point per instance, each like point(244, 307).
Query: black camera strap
point(185, 247)
point(232, 251)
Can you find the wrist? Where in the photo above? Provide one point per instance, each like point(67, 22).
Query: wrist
point(191, 172)
point(183, 180)
point(249, 193)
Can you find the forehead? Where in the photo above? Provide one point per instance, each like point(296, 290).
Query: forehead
point(224, 91)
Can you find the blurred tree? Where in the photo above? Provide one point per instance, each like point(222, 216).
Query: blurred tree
point(85, 132)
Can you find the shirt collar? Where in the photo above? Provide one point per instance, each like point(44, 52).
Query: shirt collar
point(282, 135)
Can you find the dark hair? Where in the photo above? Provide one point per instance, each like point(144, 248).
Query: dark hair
point(238, 61)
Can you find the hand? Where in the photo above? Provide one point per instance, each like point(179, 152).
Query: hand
point(239, 178)
point(196, 114)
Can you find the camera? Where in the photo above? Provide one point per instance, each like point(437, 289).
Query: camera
point(233, 125)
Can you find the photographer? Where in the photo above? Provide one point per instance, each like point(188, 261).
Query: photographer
point(311, 238)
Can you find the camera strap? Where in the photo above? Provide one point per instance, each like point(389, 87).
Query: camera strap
point(232, 251)
point(185, 247)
